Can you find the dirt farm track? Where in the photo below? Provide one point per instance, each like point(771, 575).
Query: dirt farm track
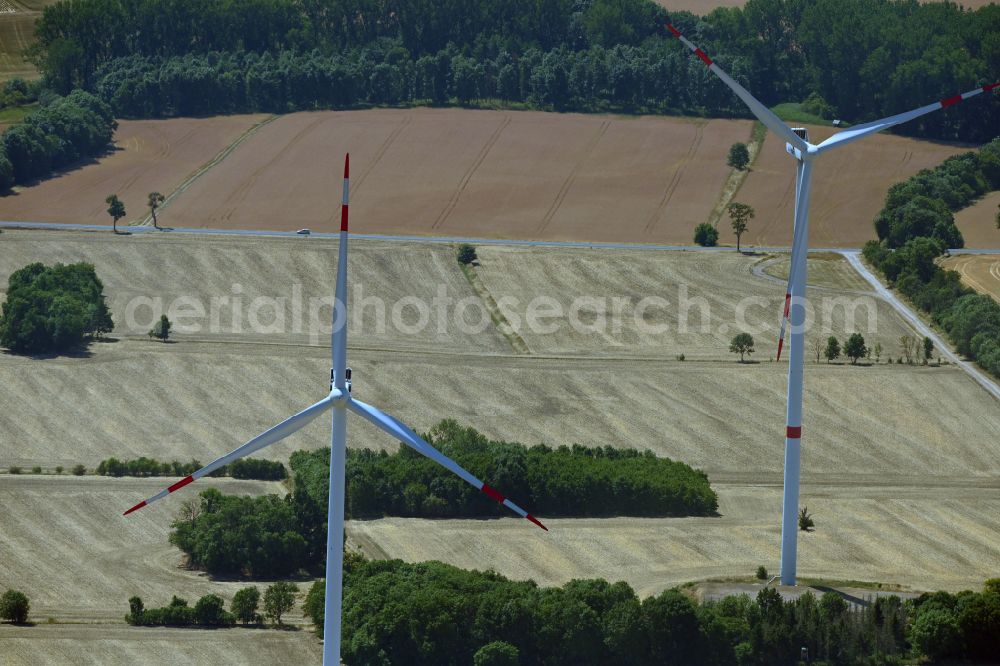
point(524, 175)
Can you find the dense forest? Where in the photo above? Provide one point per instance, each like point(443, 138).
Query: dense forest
point(432, 613)
point(916, 226)
point(864, 58)
point(565, 481)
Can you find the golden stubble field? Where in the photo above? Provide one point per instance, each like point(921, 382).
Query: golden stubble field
point(979, 271)
point(899, 462)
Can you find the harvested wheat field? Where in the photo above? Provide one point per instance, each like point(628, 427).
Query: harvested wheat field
point(707, 299)
point(67, 544)
point(979, 271)
point(17, 27)
point(978, 222)
point(938, 537)
point(148, 155)
point(878, 471)
point(266, 289)
point(848, 188)
point(474, 173)
point(119, 645)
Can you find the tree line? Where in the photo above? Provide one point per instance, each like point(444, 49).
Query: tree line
point(53, 308)
point(64, 131)
point(433, 613)
point(563, 481)
point(210, 610)
point(859, 59)
point(246, 468)
point(914, 228)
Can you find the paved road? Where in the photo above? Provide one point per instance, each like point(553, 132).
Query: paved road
point(854, 257)
point(427, 239)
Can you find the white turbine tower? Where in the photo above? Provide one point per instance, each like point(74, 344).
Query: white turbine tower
point(805, 153)
point(340, 400)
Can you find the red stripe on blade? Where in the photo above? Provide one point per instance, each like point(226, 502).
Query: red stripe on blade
point(955, 99)
point(347, 165)
point(674, 31)
point(492, 494)
point(135, 508)
point(180, 484)
point(781, 343)
point(788, 303)
point(991, 86)
point(793, 432)
point(704, 58)
point(535, 521)
point(343, 217)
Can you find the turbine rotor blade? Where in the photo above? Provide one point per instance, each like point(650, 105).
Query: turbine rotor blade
point(338, 341)
point(401, 431)
point(763, 114)
point(266, 438)
point(854, 133)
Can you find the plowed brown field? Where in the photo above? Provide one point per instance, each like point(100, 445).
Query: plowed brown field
point(848, 188)
point(978, 222)
point(148, 155)
point(473, 173)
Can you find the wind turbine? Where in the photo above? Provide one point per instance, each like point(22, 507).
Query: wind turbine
point(340, 401)
point(805, 154)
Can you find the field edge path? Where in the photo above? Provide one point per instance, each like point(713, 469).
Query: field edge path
point(854, 257)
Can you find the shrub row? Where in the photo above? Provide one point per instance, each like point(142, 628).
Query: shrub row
point(209, 611)
point(246, 468)
point(566, 481)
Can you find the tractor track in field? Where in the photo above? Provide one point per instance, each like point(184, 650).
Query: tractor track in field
point(208, 166)
point(380, 153)
point(480, 158)
point(676, 178)
point(571, 178)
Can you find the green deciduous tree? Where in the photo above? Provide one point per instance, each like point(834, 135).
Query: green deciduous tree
point(161, 329)
point(14, 606)
point(497, 653)
point(466, 254)
point(855, 348)
point(739, 156)
point(740, 214)
point(832, 350)
point(928, 349)
point(154, 201)
point(244, 605)
point(116, 209)
point(706, 235)
point(279, 598)
point(742, 344)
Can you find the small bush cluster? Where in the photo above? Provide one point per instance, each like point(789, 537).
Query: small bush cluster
point(53, 308)
point(209, 611)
